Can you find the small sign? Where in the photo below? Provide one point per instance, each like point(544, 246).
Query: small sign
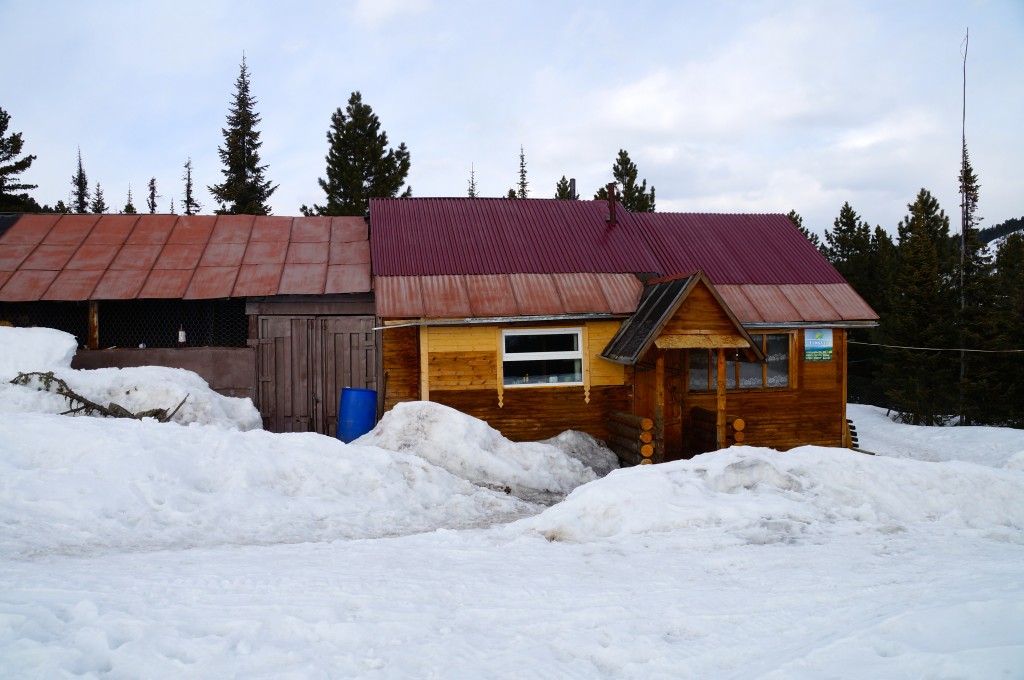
point(818, 344)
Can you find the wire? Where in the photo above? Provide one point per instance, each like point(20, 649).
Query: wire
point(940, 349)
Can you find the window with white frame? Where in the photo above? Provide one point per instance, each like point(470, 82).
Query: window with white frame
point(542, 356)
point(772, 372)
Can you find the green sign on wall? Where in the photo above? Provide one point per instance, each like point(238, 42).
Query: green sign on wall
point(818, 344)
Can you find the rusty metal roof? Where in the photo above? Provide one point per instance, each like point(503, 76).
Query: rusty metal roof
point(502, 295)
point(119, 257)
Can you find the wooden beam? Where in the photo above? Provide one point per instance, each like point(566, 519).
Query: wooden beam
point(639, 422)
point(659, 406)
point(424, 364)
point(700, 341)
point(720, 401)
point(94, 325)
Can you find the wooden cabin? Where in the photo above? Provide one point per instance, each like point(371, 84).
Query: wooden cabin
point(279, 309)
point(664, 334)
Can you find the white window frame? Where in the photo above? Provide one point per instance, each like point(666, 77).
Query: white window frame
point(543, 356)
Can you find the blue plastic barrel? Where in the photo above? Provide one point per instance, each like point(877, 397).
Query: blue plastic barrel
point(357, 413)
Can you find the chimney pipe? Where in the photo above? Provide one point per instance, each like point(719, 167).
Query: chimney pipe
point(572, 187)
point(611, 205)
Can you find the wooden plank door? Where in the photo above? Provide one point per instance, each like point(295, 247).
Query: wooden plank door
point(285, 391)
point(349, 359)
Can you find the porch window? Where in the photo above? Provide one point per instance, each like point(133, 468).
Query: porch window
point(773, 372)
point(542, 356)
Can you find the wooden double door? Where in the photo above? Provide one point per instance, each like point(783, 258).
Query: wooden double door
point(303, 362)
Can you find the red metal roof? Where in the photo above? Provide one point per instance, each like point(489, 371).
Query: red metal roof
point(735, 248)
point(772, 273)
point(119, 257)
point(438, 236)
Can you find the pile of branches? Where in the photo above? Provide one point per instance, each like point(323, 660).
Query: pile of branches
point(48, 382)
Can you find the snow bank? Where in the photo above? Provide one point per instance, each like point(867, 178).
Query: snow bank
point(470, 448)
point(587, 450)
point(137, 389)
point(758, 495)
point(86, 485)
point(992, 446)
point(34, 349)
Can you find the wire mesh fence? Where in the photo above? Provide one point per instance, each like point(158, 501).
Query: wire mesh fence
point(140, 323)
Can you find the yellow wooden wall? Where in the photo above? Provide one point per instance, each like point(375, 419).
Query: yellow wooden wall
point(462, 369)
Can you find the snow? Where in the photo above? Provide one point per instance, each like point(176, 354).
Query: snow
point(206, 548)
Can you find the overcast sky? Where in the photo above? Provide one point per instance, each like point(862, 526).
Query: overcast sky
point(724, 106)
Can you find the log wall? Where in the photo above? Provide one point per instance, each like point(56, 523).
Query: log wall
point(532, 415)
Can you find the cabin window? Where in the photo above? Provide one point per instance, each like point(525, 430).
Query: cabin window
point(742, 374)
point(542, 356)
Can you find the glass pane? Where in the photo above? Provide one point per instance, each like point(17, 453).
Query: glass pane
point(543, 371)
point(730, 373)
point(750, 375)
point(542, 342)
point(777, 354)
point(698, 369)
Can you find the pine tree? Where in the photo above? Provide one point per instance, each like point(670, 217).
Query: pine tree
point(190, 205)
point(12, 191)
point(98, 204)
point(360, 166)
point(922, 384)
point(129, 206)
point(80, 188)
point(511, 193)
point(798, 221)
point(244, 190)
point(523, 187)
point(472, 190)
point(563, 189)
point(151, 199)
point(634, 198)
point(976, 321)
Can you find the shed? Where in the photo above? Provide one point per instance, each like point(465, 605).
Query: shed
point(545, 315)
point(279, 309)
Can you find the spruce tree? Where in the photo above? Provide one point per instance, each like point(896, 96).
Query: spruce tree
point(190, 205)
point(244, 190)
point(634, 197)
point(976, 321)
point(12, 191)
point(98, 204)
point(151, 199)
point(472, 191)
point(523, 187)
point(360, 166)
point(922, 383)
point(129, 206)
point(80, 188)
point(563, 190)
point(798, 221)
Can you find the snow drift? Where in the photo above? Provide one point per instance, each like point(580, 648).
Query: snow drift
point(137, 389)
point(759, 495)
point(470, 448)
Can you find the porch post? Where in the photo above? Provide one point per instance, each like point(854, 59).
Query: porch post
point(659, 406)
point(720, 393)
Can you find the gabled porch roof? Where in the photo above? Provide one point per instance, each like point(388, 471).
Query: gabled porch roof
point(662, 299)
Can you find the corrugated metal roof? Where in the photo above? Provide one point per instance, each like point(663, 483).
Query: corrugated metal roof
point(775, 273)
point(502, 295)
point(120, 257)
point(428, 236)
point(735, 248)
